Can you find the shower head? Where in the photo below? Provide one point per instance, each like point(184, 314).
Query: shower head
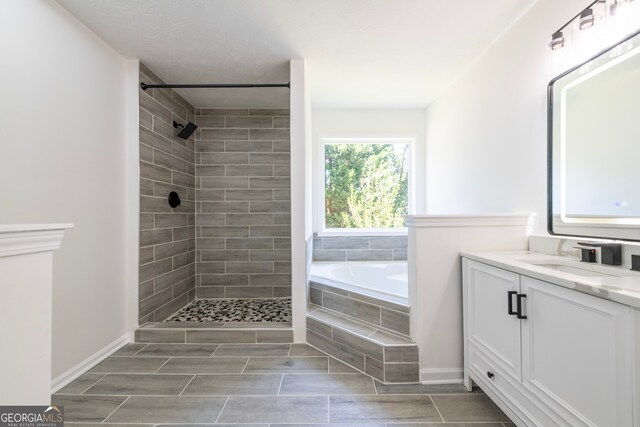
point(186, 131)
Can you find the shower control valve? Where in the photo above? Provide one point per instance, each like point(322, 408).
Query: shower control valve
point(174, 199)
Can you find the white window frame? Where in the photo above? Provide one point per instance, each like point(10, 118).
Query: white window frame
point(320, 201)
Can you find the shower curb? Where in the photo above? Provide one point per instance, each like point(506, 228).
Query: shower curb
point(213, 335)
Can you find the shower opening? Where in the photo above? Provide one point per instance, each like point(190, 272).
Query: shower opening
point(221, 256)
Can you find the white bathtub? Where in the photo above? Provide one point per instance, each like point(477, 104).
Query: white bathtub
point(378, 279)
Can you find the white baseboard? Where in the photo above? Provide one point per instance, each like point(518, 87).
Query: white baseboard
point(66, 377)
point(436, 376)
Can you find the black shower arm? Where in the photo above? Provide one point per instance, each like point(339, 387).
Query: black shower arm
point(145, 86)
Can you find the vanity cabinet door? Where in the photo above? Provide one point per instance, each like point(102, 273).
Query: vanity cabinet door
point(577, 357)
point(489, 325)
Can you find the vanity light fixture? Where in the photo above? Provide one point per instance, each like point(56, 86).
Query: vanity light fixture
point(587, 19)
point(557, 40)
point(617, 4)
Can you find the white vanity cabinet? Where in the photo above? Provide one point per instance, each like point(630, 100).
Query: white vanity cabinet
point(549, 355)
point(490, 328)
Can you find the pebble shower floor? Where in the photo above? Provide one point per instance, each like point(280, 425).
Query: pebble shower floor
point(235, 310)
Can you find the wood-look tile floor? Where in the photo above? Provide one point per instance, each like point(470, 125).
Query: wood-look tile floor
point(259, 385)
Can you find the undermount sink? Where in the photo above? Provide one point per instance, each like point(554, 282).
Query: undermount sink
point(580, 268)
point(574, 270)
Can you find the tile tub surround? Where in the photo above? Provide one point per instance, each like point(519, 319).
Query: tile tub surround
point(380, 313)
point(368, 333)
point(384, 356)
point(297, 385)
point(167, 236)
point(359, 248)
point(243, 203)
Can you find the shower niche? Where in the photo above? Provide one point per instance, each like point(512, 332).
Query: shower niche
point(219, 249)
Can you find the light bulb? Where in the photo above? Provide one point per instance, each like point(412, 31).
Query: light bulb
point(587, 19)
point(618, 5)
point(557, 41)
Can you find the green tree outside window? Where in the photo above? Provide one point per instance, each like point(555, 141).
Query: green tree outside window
point(366, 185)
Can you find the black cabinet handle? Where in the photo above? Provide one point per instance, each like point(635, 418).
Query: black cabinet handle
point(490, 374)
point(519, 314)
point(510, 295)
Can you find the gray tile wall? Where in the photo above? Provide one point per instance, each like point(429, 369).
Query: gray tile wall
point(383, 314)
point(360, 248)
point(243, 207)
point(167, 236)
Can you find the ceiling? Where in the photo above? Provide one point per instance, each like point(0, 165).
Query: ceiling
point(358, 53)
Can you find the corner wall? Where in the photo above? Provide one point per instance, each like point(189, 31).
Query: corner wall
point(63, 159)
point(301, 221)
point(435, 282)
point(167, 235)
point(486, 134)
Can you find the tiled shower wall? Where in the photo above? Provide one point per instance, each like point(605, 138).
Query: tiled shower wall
point(243, 207)
point(167, 245)
point(360, 248)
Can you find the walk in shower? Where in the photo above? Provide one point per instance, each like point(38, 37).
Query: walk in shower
point(224, 253)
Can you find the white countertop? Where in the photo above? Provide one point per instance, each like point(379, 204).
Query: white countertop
point(624, 289)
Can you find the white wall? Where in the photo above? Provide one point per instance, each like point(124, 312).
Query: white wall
point(300, 194)
point(486, 134)
point(26, 264)
point(367, 123)
point(63, 159)
point(435, 282)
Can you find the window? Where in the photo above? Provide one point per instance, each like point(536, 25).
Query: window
point(365, 185)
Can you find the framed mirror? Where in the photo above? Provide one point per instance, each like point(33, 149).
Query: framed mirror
point(594, 146)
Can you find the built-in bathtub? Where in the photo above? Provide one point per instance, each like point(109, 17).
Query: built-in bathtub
point(382, 280)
